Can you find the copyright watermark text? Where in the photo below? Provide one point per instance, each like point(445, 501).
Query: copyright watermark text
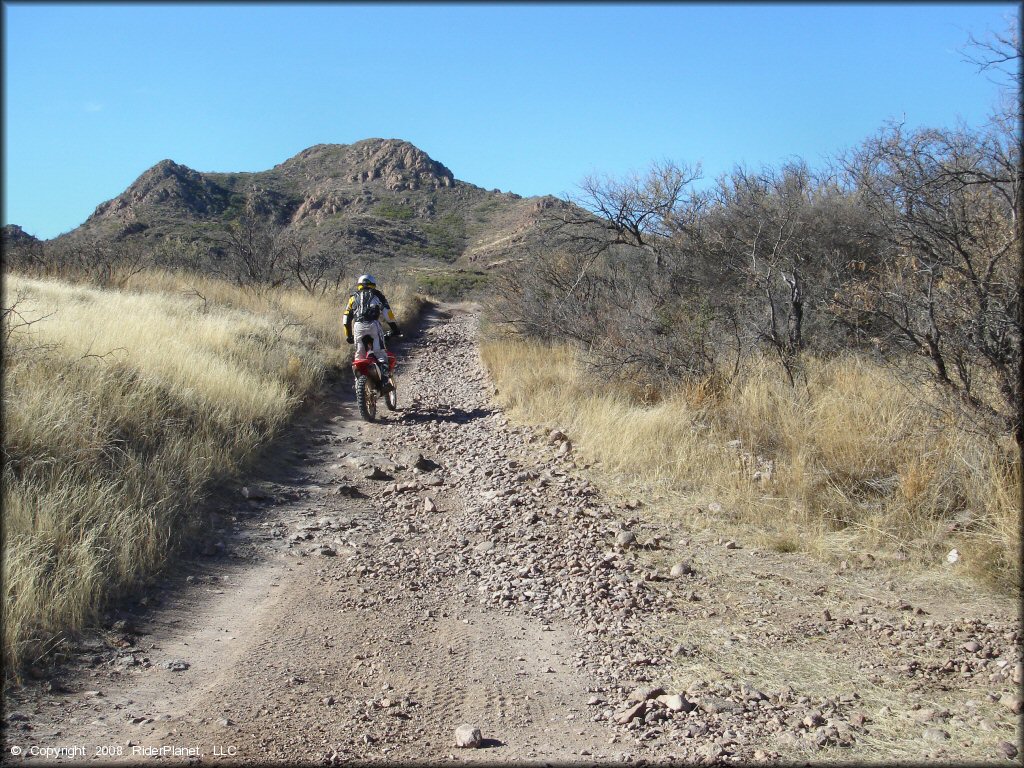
point(118, 750)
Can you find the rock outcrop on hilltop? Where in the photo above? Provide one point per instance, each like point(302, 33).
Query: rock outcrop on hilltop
point(14, 235)
point(166, 185)
point(397, 165)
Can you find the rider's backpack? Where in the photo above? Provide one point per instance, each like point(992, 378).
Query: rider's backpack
point(366, 310)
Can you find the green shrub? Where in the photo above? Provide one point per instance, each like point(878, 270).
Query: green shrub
point(451, 286)
point(394, 211)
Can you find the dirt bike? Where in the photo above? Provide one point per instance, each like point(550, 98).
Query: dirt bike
point(373, 381)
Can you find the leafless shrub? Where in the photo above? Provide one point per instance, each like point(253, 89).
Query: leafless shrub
point(251, 254)
point(617, 277)
point(258, 255)
point(949, 202)
point(95, 260)
point(774, 239)
point(317, 271)
point(14, 320)
point(639, 209)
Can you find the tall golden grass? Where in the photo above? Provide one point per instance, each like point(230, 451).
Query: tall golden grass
point(852, 461)
point(120, 408)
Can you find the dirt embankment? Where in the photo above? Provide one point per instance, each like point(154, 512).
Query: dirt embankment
point(380, 584)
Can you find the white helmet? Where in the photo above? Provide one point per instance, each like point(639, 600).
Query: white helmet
point(366, 280)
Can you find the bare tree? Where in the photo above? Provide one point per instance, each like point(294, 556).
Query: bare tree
point(252, 254)
point(639, 210)
point(101, 262)
point(775, 235)
point(177, 253)
point(615, 277)
point(949, 203)
point(28, 257)
point(16, 325)
point(1000, 53)
point(315, 270)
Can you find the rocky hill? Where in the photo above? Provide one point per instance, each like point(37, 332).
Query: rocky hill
point(14, 236)
point(377, 199)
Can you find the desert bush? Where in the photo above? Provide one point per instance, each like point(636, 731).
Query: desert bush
point(451, 286)
point(394, 211)
point(446, 238)
point(103, 262)
point(776, 243)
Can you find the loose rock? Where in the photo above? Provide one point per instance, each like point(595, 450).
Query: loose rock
point(468, 737)
point(1007, 749)
point(676, 703)
point(625, 539)
point(643, 694)
point(681, 569)
point(625, 716)
point(1012, 702)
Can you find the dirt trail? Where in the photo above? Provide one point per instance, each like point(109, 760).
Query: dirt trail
point(343, 616)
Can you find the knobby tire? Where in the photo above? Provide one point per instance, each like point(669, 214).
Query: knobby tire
point(366, 399)
point(391, 397)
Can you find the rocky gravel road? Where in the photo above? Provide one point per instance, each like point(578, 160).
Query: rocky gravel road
point(377, 586)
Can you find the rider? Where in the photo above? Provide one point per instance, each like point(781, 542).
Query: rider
point(362, 318)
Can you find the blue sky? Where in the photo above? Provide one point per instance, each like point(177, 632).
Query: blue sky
point(517, 97)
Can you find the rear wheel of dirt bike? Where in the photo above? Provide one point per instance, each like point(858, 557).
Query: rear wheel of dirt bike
point(366, 398)
point(391, 396)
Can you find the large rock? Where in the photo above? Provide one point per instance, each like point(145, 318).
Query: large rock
point(645, 693)
point(676, 702)
point(416, 460)
point(681, 569)
point(813, 719)
point(468, 737)
point(625, 539)
point(1012, 702)
point(626, 715)
point(556, 436)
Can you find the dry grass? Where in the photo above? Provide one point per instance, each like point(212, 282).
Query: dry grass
point(851, 461)
point(120, 409)
point(321, 315)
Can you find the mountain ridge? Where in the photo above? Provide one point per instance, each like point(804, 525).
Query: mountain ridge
point(370, 200)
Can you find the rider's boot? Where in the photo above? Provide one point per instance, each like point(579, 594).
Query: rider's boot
point(385, 377)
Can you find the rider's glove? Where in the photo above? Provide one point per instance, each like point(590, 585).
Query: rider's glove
point(395, 330)
point(349, 339)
